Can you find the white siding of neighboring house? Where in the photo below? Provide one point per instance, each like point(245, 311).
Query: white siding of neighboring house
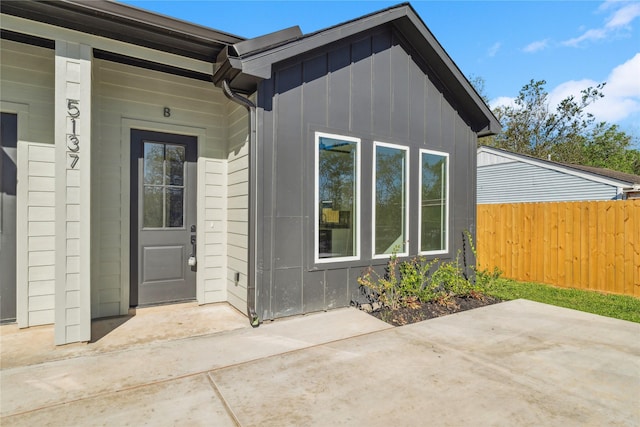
point(28, 88)
point(137, 97)
point(238, 206)
point(485, 159)
point(512, 182)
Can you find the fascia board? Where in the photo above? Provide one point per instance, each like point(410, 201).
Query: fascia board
point(161, 22)
point(51, 32)
point(105, 17)
point(260, 64)
point(451, 67)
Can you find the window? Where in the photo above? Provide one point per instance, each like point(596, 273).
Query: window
point(337, 198)
point(390, 199)
point(163, 185)
point(434, 202)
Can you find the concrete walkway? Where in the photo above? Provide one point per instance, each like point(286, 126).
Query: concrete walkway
point(515, 363)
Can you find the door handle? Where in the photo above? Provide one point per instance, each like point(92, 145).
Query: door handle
point(192, 258)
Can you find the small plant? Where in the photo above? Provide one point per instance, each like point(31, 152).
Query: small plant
point(483, 278)
point(414, 277)
point(385, 287)
point(414, 281)
point(450, 279)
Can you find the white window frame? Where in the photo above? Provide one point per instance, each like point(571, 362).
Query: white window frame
point(316, 203)
point(405, 252)
point(446, 208)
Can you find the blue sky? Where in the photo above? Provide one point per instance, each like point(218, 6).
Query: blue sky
point(570, 44)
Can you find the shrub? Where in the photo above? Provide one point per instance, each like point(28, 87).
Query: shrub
point(406, 282)
point(383, 288)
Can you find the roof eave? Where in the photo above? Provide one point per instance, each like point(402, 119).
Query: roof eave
point(448, 71)
point(259, 64)
point(126, 23)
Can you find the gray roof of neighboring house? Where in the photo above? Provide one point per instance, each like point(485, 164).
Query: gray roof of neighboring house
point(621, 179)
point(608, 173)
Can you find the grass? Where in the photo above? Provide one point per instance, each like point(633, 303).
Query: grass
point(617, 306)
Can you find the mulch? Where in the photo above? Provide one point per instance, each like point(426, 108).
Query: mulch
point(430, 310)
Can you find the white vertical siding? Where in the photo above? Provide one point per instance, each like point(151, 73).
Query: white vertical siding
point(73, 81)
point(237, 207)
point(126, 93)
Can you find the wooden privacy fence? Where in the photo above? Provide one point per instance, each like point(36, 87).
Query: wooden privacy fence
point(585, 245)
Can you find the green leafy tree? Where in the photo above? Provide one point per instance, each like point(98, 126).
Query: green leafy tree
point(567, 133)
point(609, 147)
point(532, 127)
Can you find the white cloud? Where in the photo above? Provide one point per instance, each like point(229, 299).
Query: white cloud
point(536, 46)
point(624, 80)
point(622, 93)
point(493, 50)
point(502, 101)
point(589, 35)
point(622, 17)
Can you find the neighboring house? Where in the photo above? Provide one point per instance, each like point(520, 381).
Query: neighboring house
point(161, 161)
point(506, 177)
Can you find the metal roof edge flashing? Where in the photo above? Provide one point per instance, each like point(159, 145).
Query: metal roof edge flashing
point(231, 65)
point(267, 41)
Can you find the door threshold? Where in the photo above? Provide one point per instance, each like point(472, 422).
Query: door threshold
point(132, 309)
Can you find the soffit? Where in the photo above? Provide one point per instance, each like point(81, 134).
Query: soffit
point(127, 24)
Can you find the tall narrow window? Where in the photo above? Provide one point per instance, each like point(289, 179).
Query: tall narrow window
point(434, 203)
point(390, 178)
point(337, 197)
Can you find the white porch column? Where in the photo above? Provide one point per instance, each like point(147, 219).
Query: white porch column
point(73, 197)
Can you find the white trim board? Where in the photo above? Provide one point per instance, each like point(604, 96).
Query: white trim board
point(407, 160)
point(125, 193)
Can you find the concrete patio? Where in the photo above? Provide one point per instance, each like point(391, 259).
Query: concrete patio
point(514, 363)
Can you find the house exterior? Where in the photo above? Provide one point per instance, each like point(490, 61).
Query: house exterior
point(156, 160)
point(507, 177)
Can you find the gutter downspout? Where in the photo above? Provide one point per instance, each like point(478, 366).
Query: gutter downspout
point(254, 320)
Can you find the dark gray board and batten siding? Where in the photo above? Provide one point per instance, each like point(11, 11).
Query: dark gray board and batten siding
point(368, 87)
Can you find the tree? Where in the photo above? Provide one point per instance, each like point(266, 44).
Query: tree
point(566, 133)
point(532, 127)
point(609, 147)
point(479, 84)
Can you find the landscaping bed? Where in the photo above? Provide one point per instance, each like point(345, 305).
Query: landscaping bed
point(419, 311)
point(417, 289)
